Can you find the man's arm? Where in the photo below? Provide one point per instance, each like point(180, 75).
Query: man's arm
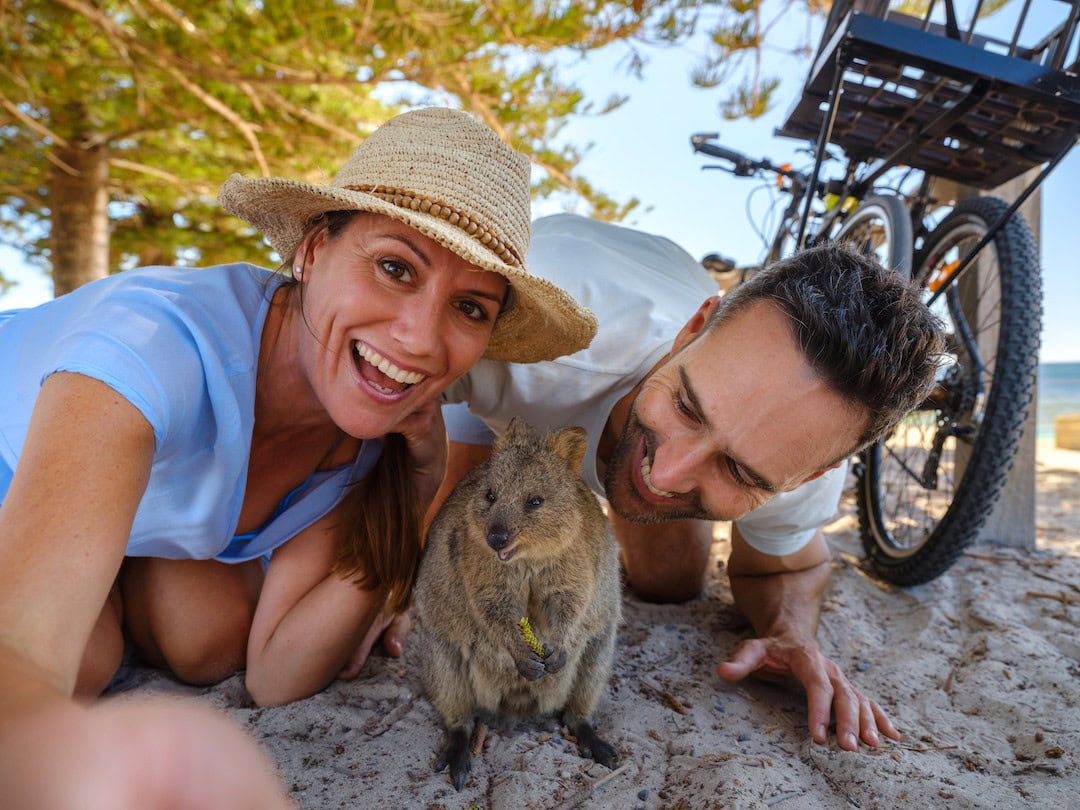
point(664, 562)
point(781, 598)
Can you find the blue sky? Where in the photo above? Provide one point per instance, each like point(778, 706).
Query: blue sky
point(642, 150)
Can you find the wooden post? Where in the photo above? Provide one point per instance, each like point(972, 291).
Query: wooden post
point(1012, 522)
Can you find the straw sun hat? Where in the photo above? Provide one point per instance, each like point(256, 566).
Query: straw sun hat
point(453, 179)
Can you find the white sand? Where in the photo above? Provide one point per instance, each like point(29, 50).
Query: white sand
point(980, 669)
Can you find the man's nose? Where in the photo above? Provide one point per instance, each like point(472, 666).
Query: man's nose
point(676, 465)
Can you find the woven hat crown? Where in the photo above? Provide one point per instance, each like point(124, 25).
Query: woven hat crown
point(454, 180)
point(447, 159)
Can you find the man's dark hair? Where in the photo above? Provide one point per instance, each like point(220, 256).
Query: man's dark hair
point(867, 334)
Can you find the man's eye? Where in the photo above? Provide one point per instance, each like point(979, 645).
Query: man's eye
point(683, 408)
point(737, 474)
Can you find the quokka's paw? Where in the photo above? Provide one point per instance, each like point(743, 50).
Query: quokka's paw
point(554, 659)
point(590, 745)
point(529, 665)
point(458, 756)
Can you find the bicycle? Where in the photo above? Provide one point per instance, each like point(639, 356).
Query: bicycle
point(922, 94)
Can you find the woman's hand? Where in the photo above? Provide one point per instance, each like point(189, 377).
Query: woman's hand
point(134, 755)
point(425, 434)
point(393, 629)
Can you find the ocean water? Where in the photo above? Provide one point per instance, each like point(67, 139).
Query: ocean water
point(1059, 393)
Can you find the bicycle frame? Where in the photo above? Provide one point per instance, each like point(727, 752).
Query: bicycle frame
point(958, 80)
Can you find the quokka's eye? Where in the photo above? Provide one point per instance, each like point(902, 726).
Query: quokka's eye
point(491, 496)
point(533, 502)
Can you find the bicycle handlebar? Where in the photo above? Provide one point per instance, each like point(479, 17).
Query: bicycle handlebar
point(744, 165)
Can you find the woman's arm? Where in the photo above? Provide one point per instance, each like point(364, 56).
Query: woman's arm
point(64, 525)
point(309, 620)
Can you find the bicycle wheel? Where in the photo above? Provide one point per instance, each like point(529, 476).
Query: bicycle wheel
point(925, 490)
point(881, 226)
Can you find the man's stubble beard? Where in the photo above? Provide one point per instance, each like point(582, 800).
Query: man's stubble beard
point(622, 495)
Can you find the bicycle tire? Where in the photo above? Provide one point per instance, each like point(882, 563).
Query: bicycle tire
point(912, 528)
point(881, 225)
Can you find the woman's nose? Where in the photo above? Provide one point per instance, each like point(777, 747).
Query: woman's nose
point(419, 326)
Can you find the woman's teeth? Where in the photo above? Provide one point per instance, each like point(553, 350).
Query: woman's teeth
point(388, 368)
point(646, 473)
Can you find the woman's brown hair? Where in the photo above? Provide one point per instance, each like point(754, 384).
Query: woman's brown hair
point(380, 542)
point(380, 545)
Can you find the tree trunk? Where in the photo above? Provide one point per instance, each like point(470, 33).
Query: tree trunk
point(78, 199)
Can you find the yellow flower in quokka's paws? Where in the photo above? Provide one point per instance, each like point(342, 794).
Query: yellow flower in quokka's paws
point(530, 638)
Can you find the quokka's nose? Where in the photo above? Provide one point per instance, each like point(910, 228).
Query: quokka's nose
point(498, 537)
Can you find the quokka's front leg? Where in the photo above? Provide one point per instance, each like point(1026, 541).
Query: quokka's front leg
point(561, 616)
point(502, 616)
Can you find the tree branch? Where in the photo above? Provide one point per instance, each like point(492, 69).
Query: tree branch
point(32, 124)
point(222, 109)
point(142, 168)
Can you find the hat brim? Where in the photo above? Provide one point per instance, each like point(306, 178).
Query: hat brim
point(544, 322)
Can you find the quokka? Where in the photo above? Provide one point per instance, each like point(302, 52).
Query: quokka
point(521, 537)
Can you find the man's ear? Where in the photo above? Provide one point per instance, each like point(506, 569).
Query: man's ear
point(697, 322)
point(818, 474)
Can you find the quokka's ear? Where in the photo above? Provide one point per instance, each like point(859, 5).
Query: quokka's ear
point(569, 443)
point(516, 433)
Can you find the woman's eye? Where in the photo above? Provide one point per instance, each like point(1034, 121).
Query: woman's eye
point(473, 310)
point(396, 270)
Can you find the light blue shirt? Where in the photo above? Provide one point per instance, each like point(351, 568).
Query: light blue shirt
point(182, 346)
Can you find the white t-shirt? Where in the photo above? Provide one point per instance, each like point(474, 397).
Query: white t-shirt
point(643, 289)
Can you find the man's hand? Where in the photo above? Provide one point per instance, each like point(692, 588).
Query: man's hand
point(781, 596)
point(827, 689)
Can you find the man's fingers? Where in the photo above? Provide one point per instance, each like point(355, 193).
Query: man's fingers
point(848, 710)
point(883, 723)
point(829, 694)
point(811, 671)
point(748, 657)
point(819, 703)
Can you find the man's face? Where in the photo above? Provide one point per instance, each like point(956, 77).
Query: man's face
point(730, 419)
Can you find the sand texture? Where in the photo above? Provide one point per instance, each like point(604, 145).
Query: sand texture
point(980, 669)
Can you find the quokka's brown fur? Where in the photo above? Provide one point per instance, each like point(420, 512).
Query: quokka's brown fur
point(520, 536)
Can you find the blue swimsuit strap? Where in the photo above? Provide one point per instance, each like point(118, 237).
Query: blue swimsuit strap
point(283, 504)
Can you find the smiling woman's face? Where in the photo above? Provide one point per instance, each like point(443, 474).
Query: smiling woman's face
point(392, 318)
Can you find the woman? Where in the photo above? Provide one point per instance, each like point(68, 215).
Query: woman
point(172, 429)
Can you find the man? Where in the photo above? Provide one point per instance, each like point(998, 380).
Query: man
point(699, 407)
